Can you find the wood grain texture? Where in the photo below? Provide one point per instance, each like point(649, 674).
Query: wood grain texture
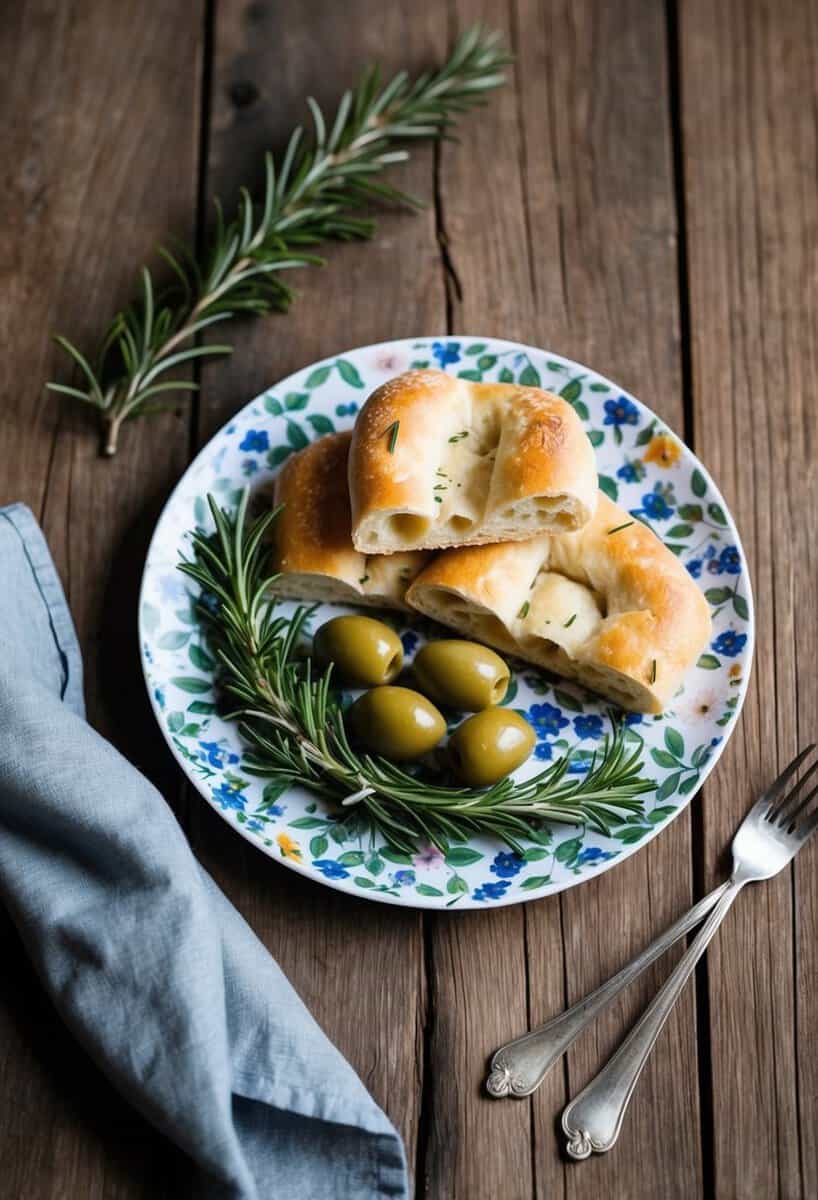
point(358, 966)
point(603, 220)
point(478, 960)
point(579, 201)
point(98, 165)
point(554, 221)
point(749, 137)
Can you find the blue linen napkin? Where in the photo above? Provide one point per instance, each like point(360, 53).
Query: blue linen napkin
point(147, 962)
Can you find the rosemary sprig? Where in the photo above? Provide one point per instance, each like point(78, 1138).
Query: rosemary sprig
point(393, 431)
point(295, 730)
point(310, 196)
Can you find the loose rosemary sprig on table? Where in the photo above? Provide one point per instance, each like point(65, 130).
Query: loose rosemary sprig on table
point(295, 729)
point(309, 197)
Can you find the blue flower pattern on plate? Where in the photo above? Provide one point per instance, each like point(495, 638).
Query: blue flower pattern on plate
point(228, 797)
point(547, 720)
point(216, 755)
point(632, 472)
point(621, 412)
point(589, 727)
point(592, 854)
point(409, 641)
point(330, 869)
point(491, 891)
point(255, 439)
point(506, 865)
point(655, 505)
point(564, 717)
point(725, 562)
point(445, 353)
point(730, 643)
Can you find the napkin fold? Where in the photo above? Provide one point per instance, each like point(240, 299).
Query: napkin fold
point(147, 962)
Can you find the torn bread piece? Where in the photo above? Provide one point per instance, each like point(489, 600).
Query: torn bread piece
point(313, 547)
point(438, 461)
point(609, 606)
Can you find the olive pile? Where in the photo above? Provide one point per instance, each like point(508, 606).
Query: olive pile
point(402, 724)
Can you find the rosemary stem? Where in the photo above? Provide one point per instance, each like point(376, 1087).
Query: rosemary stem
point(294, 727)
point(111, 427)
point(314, 194)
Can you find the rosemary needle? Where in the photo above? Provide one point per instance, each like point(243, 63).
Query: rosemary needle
point(316, 192)
point(393, 431)
point(293, 725)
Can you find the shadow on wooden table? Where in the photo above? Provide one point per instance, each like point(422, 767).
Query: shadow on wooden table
point(118, 704)
point(76, 1113)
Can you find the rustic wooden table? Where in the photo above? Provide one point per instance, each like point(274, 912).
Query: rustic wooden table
point(642, 197)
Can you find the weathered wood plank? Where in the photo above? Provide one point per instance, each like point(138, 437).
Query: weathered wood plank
point(98, 165)
point(748, 94)
point(479, 1148)
point(603, 222)
point(560, 221)
point(358, 965)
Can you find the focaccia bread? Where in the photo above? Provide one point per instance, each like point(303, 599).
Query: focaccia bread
point(313, 548)
point(609, 606)
point(438, 461)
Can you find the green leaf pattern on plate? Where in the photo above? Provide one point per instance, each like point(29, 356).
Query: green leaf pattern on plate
point(641, 465)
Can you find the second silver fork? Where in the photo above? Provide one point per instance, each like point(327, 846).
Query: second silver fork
point(765, 842)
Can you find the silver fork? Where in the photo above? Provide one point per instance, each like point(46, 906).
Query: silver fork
point(519, 1067)
point(768, 838)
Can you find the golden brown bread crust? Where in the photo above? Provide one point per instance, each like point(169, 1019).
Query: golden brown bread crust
point(470, 463)
point(615, 610)
point(598, 606)
point(313, 549)
point(312, 530)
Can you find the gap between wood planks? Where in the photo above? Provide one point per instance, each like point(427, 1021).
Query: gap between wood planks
point(697, 839)
point(453, 289)
point(205, 82)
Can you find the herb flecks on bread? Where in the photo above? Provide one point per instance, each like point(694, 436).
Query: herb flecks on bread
point(437, 461)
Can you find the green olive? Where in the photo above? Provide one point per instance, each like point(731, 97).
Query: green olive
point(365, 652)
point(396, 722)
point(489, 746)
point(463, 675)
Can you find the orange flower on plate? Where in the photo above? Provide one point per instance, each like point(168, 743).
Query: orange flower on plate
point(288, 848)
point(663, 450)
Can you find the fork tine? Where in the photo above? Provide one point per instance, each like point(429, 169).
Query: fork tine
point(807, 827)
point(776, 789)
point(790, 806)
point(788, 821)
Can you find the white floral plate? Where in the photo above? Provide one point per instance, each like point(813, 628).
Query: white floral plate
point(641, 464)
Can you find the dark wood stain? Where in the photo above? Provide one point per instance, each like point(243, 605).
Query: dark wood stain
point(642, 198)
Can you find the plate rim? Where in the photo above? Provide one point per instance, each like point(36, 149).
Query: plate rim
point(467, 903)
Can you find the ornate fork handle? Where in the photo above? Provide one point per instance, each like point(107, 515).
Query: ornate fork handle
point(520, 1066)
point(593, 1120)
